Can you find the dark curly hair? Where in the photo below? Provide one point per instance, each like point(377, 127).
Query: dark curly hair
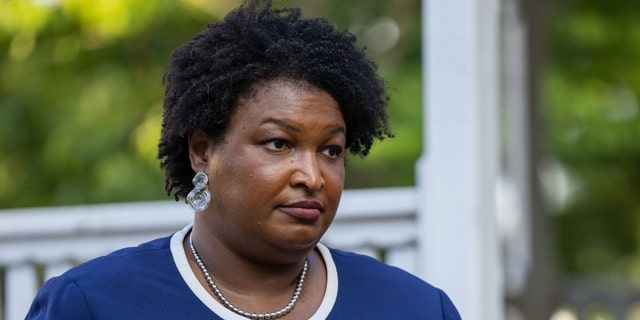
point(253, 44)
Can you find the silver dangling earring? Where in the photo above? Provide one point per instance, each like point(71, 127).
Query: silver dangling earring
point(199, 197)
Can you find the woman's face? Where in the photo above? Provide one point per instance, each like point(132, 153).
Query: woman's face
point(277, 179)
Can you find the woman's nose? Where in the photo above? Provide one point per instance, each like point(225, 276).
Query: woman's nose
point(306, 172)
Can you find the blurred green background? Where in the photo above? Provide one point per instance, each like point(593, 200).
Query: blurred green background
point(81, 94)
point(590, 84)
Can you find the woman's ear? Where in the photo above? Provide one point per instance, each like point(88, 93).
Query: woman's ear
point(199, 144)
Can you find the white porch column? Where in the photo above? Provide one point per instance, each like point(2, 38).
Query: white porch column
point(457, 173)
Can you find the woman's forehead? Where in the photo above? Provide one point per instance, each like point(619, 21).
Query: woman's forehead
point(271, 84)
point(286, 98)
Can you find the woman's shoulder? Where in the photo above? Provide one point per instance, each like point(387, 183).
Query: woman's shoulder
point(144, 255)
point(371, 286)
point(118, 278)
point(363, 266)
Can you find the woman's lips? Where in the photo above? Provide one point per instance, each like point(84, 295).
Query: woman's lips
point(303, 210)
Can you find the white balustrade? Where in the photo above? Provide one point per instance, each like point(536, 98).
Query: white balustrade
point(39, 243)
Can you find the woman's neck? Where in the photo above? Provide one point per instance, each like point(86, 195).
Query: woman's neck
point(254, 285)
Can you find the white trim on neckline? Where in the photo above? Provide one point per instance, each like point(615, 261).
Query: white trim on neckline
point(180, 259)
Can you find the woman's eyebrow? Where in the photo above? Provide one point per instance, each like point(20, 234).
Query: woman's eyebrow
point(280, 123)
point(287, 125)
point(338, 129)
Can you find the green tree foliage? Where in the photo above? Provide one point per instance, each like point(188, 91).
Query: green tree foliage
point(590, 92)
point(81, 92)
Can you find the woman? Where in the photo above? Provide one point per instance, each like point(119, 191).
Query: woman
point(259, 111)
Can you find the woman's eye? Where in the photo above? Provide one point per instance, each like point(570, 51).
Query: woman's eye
point(276, 144)
point(333, 151)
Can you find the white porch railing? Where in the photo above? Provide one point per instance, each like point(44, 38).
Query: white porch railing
point(39, 243)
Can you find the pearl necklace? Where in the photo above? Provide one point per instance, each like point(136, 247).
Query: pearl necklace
point(250, 315)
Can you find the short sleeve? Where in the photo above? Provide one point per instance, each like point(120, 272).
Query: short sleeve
point(59, 298)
